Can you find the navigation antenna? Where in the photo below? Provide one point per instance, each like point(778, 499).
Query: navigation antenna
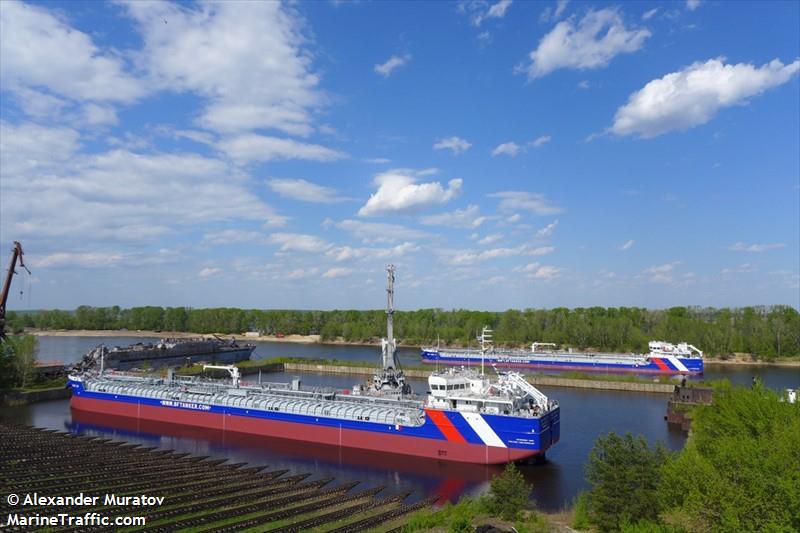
point(486, 343)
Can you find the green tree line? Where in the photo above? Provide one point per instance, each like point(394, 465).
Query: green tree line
point(768, 332)
point(739, 471)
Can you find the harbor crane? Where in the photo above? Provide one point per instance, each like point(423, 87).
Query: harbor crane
point(16, 255)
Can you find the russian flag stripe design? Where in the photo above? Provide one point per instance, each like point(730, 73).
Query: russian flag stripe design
point(444, 425)
point(661, 364)
point(482, 428)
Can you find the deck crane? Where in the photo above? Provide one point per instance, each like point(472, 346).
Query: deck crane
point(16, 255)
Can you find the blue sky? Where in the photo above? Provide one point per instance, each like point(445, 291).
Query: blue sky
point(501, 154)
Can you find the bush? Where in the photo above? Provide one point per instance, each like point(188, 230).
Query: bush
point(740, 469)
point(581, 510)
point(509, 493)
point(624, 474)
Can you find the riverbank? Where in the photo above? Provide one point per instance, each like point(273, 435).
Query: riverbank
point(17, 398)
point(738, 359)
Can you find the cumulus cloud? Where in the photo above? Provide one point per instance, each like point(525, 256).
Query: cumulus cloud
point(251, 147)
point(298, 242)
point(691, 5)
point(378, 231)
point(386, 68)
point(456, 144)
point(247, 60)
point(527, 201)
point(468, 217)
point(510, 149)
point(755, 248)
point(690, 97)
point(547, 231)
point(627, 246)
point(305, 191)
point(53, 191)
point(40, 50)
point(399, 192)
point(596, 39)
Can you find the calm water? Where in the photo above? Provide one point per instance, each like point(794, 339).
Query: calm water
point(585, 414)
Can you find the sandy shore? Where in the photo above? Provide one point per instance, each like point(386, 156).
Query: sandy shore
point(736, 360)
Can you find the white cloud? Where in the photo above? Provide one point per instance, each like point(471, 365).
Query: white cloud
point(583, 84)
point(547, 231)
point(690, 97)
point(209, 272)
point(466, 257)
point(523, 200)
point(691, 5)
point(540, 141)
point(755, 248)
point(379, 232)
point(398, 192)
point(298, 273)
point(247, 60)
point(231, 236)
point(349, 253)
point(386, 68)
point(561, 5)
point(52, 191)
point(470, 257)
point(337, 272)
point(468, 217)
point(305, 191)
point(598, 37)
point(251, 147)
point(510, 148)
point(40, 50)
point(662, 273)
point(541, 250)
point(377, 160)
point(298, 242)
point(456, 144)
point(647, 15)
point(480, 13)
point(627, 246)
point(102, 259)
point(744, 268)
point(537, 271)
point(491, 238)
point(100, 115)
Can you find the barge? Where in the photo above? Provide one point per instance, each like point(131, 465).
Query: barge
point(663, 358)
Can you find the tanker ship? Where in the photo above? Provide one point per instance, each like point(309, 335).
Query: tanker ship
point(663, 358)
point(167, 352)
point(465, 416)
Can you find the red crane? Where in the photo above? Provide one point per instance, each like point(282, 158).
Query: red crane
point(16, 254)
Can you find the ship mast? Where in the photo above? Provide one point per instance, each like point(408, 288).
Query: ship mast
point(388, 344)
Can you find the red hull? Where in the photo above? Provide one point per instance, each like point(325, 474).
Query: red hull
point(346, 438)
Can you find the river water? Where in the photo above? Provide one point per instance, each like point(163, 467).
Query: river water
point(585, 414)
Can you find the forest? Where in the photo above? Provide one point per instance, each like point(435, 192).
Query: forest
point(768, 333)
